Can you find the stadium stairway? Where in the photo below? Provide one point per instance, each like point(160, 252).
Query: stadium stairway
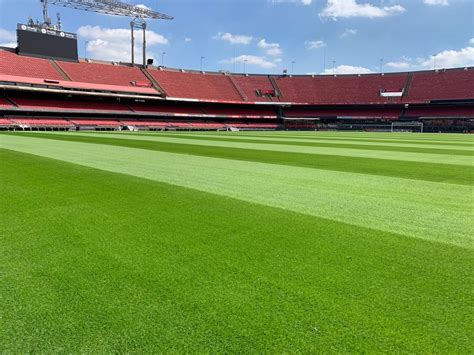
point(275, 87)
point(155, 83)
point(237, 87)
point(60, 70)
point(408, 84)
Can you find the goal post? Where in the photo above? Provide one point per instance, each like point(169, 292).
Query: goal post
point(416, 127)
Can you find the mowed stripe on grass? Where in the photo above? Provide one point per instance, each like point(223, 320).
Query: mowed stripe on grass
point(435, 172)
point(440, 148)
point(466, 160)
point(419, 140)
point(434, 211)
point(99, 262)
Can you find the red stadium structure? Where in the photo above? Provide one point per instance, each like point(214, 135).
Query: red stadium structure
point(49, 94)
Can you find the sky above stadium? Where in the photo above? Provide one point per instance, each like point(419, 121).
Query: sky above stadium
point(268, 36)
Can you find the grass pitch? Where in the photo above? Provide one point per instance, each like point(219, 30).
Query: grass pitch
point(236, 242)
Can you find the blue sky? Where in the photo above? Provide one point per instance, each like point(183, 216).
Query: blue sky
point(268, 35)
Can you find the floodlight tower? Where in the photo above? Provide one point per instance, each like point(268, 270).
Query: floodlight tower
point(116, 8)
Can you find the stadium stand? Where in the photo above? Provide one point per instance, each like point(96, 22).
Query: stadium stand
point(166, 108)
point(96, 123)
point(467, 112)
point(5, 122)
point(192, 85)
point(17, 65)
point(107, 74)
point(253, 87)
point(4, 103)
point(41, 122)
point(119, 95)
point(452, 84)
point(364, 112)
point(240, 111)
point(65, 104)
point(150, 124)
point(343, 89)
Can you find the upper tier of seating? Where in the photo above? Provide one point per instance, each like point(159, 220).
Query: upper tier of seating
point(17, 65)
point(397, 88)
point(105, 74)
point(344, 89)
point(209, 87)
point(250, 85)
point(442, 85)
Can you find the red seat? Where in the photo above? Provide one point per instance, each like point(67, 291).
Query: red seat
point(17, 65)
point(214, 87)
point(108, 74)
point(96, 122)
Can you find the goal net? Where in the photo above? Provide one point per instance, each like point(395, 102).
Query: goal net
point(416, 127)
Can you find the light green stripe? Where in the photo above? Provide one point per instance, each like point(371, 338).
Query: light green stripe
point(426, 210)
point(273, 139)
point(374, 154)
point(454, 138)
point(321, 136)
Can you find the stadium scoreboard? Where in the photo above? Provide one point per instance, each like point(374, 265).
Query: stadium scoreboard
point(46, 43)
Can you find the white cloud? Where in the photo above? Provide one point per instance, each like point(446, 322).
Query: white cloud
point(7, 38)
point(351, 8)
point(187, 40)
point(272, 49)
point(463, 57)
point(348, 32)
point(451, 58)
point(113, 44)
point(9, 44)
point(261, 62)
point(399, 65)
point(436, 2)
point(234, 39)
point(471, 41)
point(315, 44)
point(142, 6)
point(347, 69)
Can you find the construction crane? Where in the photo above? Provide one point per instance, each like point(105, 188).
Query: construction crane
point(115, 8)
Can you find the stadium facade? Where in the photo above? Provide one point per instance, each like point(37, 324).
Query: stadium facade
point(52, 94)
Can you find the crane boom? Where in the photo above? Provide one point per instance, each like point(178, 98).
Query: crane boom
point(111, 7)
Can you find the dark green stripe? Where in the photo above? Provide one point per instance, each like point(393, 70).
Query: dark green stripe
point(455, 174)
point(316, 137)
point(322, 144)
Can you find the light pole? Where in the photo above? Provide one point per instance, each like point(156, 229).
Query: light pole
point(293, 67)
point(202, 58)
point(334, 67)
point(245, 65)
point(163, 58)
point(233, 61)
point(86, 43)
point(324, 58)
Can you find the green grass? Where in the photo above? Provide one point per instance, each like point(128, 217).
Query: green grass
point(227, 243)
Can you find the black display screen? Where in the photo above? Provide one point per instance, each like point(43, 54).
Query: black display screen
point(46, 43)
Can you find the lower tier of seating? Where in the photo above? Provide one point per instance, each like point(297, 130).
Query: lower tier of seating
point(43, 104)
point(467, 112)
point(41, 122)
point(78, 124)
point(376, 112)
